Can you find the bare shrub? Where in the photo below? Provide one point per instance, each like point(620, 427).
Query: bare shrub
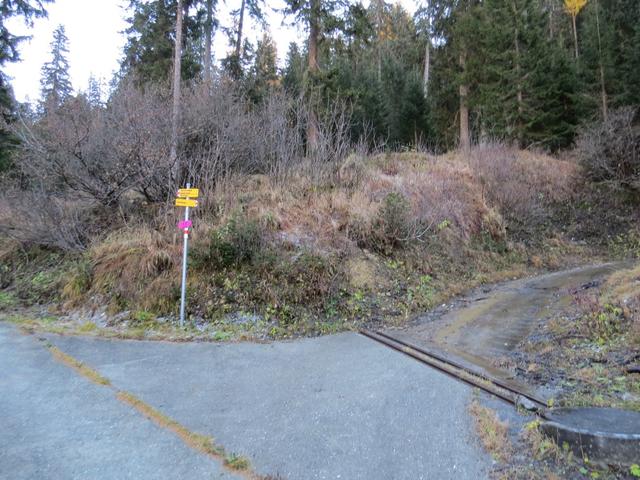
point(225, 136)
point(100, 152)
point(523, 185)
point(118, 152)
point(38, 218)
point(610, 150)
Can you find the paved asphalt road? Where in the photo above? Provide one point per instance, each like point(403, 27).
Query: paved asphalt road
point(55, 424)
point(336, 407)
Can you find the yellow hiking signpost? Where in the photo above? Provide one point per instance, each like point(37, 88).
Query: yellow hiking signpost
point(185, 198)
point(188, 193)
point(186, 202)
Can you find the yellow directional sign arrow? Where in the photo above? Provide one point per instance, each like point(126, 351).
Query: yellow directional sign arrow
point(186, 202)
point(188, 192)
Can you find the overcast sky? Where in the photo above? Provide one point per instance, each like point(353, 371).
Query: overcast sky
point(95, 40)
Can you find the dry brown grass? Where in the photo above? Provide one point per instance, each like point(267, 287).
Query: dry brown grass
point(203, 443)
point(143, 263)
point(140, 253)
point(493, 433)
point(197, 441)
point(79, 367)
point(542, 446)
point(468, 196)
point(437, 190)
point(520, 183)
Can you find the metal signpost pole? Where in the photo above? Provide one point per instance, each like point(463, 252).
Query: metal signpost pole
point(183, 293)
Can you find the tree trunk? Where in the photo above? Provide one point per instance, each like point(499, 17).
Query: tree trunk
point(207, 42)
point(575, 34)
point(379, 10)
point(603, 89)
point(465, 142)
point(427, 67)
point(239, 37)
point(314, 33)
point(519, 95)
point(427, 58)
point(175, 118)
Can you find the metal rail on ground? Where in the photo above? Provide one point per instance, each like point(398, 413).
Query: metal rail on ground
point(494, 386)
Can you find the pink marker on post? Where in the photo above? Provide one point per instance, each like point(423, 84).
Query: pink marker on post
point(185, 225)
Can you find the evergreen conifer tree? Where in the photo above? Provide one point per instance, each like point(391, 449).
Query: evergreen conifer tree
point(55, 84)
point(233, 63)
point(27, 10)
point(264, 72)
point(94, 92)
point(148, 53)
point(293, 72)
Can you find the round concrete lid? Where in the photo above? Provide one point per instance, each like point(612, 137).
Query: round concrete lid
point(606, 435)
point(600, 420)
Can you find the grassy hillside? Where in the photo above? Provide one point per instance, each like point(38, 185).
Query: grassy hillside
point(376, 241)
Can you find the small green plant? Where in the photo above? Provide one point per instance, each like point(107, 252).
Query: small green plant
point(356, 303)
point(604, 324)
point(446, 223)
point(282, 313)
point(393, 264)
point(141, 318)
point(78, 283)
point(7, 300)
point(626, 245)
point(237, 462)
point(421, 295)
point(532, 425)
point(235, 243)
point(43, 286)
point(634, 470)
point(392, 227)
point(221, 336)
point(87, 327)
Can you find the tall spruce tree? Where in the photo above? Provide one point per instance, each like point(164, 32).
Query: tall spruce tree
point(404, 107)
point(27, 10)
point(233, 63)
point(319, 18)
point(55, 83)
point(455, 67)
point(210, 24)
point(293, 72)
point(264, 72)
point(623, 16)
point(516, 75)
point(148, 53)
point(94, 92)
point(596, 66)
point(633, 65)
